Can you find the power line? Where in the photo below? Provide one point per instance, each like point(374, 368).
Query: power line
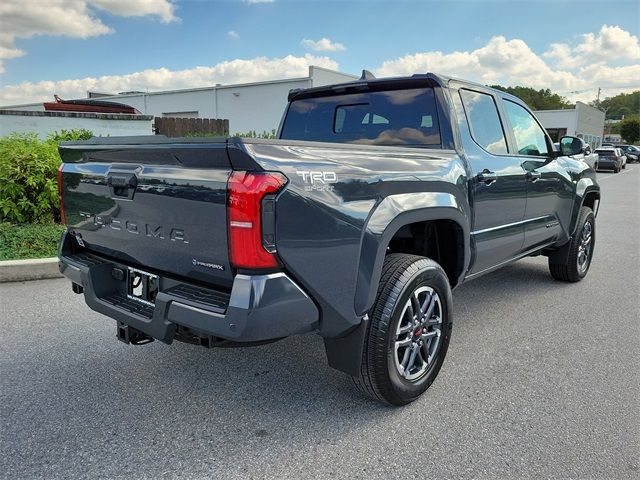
point(606, 87)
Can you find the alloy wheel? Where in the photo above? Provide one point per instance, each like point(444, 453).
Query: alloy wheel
point(585, 247)
point(419, 333)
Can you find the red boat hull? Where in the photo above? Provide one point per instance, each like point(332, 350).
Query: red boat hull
point(87, 107)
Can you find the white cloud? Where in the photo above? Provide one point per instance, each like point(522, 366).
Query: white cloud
point(512, 62)
point(610, 43)
point(7, 53)
point(163, 9)
point(69, 18)
point(500, 60)
point(323, 45)
point(234, 71)
point(233, 35)
point(560, 54)
point(253, 2)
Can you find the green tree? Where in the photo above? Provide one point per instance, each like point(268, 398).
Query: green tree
point(630, 129)
point(543, 99)
point(621, 105)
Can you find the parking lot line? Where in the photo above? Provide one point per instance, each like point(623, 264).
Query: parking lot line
point(614, 176)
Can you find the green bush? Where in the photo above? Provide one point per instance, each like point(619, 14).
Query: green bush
point(249, 134)
point(253, 134)
point(28, 176)
point(28, 179)
point(70, 135)
point(29, 241)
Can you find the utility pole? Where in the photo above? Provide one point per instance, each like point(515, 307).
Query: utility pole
point(598, 99)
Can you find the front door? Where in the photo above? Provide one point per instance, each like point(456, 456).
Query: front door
point(548, 192)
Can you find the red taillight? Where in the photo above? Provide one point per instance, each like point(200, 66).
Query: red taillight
point(246, 191)
point(63, 217)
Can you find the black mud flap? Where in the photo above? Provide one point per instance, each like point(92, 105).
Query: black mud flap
point(345, 353)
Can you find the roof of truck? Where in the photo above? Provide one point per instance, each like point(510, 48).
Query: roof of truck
point(368, 81)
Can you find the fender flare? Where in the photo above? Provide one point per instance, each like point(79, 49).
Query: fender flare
point(584, 187)
point(394, 212)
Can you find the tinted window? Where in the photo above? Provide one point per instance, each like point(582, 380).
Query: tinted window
point(483, 118)
point(391, 117)
point(605, 153)
point(530, 138)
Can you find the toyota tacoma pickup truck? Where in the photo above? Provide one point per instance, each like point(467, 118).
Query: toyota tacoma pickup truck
point(377, 198)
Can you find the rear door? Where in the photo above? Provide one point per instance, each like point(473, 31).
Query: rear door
point(498, 184)
point(160, 208)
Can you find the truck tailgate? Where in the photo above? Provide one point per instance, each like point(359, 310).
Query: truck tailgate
point(159, 207)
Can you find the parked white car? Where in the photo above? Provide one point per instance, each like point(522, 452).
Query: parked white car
point(621, 153)
point(588, 156)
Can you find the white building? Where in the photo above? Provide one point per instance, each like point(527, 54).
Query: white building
point(583, 121)
point(251, 106)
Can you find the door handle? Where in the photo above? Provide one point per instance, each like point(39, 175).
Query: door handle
point(533, 176)
point(122, 186)
point(485, 176)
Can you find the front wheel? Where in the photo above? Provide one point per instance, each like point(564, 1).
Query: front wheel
point(581, 246)
point(409, 330)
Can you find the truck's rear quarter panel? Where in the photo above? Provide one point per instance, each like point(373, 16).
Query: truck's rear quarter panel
point(323, 213)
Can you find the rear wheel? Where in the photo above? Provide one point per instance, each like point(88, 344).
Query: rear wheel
point(581, 247)
point(409, 330)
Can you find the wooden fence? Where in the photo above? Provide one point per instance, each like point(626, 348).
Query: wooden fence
point(180, 127)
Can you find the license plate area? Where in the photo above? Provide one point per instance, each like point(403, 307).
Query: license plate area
point(142, 286)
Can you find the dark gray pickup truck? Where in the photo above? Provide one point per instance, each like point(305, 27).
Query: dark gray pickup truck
point(377, 199)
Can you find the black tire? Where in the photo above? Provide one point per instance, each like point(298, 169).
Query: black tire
point(402, 276)
point(574, 270)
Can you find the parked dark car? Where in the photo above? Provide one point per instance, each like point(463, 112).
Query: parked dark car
point(632, 152)
point(377, 199)
point(609, 159)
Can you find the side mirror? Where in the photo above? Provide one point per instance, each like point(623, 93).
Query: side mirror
point(571, 146)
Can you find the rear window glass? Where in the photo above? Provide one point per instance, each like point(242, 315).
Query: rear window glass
point(606, 153)
point(391, 117)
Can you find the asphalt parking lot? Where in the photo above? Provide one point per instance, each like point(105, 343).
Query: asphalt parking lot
point(542, 379)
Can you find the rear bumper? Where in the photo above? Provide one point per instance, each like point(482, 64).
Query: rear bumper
point(259, 307)
point(607, 163)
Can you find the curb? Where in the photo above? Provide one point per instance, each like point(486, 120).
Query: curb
point(32, 269)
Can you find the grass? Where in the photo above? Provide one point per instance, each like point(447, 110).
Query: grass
point(29, 241)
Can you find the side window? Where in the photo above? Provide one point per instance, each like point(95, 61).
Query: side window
point(482, 115)
point(530, 137)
